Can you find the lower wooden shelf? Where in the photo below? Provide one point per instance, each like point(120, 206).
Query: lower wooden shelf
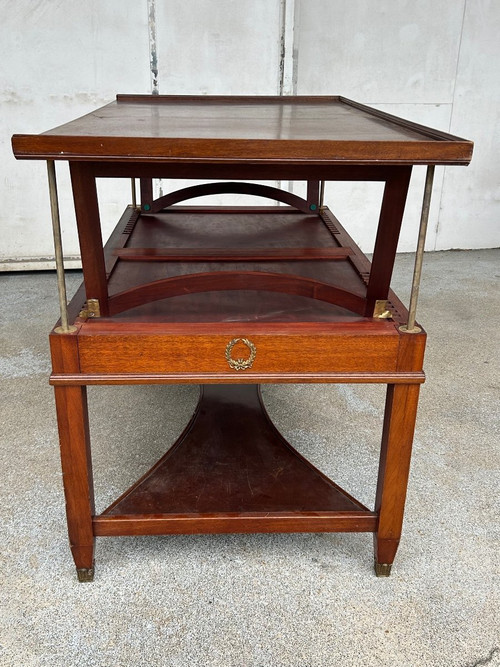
point(232, 471)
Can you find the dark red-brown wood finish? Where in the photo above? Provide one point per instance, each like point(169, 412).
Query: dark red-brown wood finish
point(237, 296)
point(241, 129)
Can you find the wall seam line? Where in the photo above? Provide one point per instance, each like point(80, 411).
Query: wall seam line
point(153, 51)
point(450, 124)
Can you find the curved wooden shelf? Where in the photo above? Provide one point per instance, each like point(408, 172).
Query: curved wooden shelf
point(235, 280)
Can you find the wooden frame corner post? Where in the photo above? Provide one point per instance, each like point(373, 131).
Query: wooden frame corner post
point(395, 454)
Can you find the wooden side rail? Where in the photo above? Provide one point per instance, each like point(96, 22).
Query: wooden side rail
point(154, 206)
point(235, 280)
point(230, 254)
point(241, 522)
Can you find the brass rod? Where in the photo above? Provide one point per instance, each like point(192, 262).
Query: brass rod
point(134, 193)
point(321, 195)
point(419, 256)
point(56, 229)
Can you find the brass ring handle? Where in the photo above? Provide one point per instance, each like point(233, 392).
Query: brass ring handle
point(240, 364)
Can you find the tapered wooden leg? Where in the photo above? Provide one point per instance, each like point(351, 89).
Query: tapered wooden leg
point(397, 439)
point(72, 418)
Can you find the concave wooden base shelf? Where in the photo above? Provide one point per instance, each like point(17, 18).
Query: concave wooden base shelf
point(232, 471)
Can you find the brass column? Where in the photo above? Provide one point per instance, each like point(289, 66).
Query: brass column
point(56, 230)
point(419, 256)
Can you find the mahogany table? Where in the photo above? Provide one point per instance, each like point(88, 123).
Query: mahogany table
point(233, 297)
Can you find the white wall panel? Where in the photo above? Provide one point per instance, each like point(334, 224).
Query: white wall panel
point(228, 47)
point(470, 215)
point(390, 51)
point(60, 60)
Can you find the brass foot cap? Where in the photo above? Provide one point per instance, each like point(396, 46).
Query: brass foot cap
point(85, 574)
point(383, 569)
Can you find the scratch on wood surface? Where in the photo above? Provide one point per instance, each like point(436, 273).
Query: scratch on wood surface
point(249, 484)
point(278, 472)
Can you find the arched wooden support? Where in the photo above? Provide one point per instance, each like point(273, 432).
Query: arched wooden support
point(233, 188)
point(235, 280)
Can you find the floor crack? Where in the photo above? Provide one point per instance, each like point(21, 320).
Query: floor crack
point(485, 661)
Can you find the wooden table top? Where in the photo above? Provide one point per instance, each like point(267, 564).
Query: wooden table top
point(313, 130)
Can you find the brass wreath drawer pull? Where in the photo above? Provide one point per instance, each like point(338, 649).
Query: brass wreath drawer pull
point(240, 364)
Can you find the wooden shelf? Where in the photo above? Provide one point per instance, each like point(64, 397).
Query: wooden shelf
point(232, 467)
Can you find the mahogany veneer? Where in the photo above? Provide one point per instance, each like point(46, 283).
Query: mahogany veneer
point(231, 297)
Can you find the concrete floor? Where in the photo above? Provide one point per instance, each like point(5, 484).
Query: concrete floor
point(262, 600)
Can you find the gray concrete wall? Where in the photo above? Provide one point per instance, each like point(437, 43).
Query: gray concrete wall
point(435, 63)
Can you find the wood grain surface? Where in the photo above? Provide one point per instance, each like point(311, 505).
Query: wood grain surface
point(328, 129)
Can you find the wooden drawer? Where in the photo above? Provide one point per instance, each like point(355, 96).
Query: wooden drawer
point(239, 350)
